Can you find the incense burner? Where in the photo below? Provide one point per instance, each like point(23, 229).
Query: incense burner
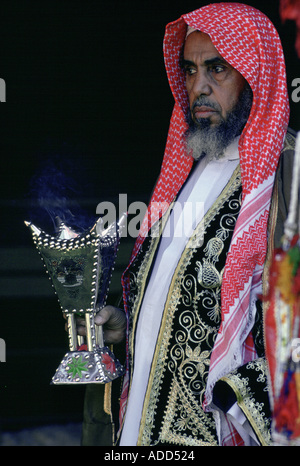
point(80, 267)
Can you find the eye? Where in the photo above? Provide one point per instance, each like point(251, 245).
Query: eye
point(217, 68)
point(190, 70)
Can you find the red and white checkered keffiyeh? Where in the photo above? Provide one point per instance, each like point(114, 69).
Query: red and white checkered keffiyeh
point(246, 39)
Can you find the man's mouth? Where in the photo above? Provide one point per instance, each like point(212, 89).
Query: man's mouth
point(203, 111)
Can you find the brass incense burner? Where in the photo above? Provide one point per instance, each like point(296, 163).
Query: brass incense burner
point(80, 268)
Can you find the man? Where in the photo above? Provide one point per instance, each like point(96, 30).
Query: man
point(195, 371)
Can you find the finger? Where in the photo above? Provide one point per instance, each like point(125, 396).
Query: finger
point(80, 326)
point(104, 315)
point(113, 337)
point(81, 330)
point(80, 321)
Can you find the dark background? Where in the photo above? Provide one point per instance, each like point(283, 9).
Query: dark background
point(87, 93)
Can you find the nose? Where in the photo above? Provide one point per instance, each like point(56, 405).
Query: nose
point(200, 84)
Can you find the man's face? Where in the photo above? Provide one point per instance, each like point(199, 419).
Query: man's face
point(213, 85)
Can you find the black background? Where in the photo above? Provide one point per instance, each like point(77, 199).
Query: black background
point(86, 88)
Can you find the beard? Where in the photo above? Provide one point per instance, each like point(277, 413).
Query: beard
point(202, 140)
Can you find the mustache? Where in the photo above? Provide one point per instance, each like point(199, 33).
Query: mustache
point(204, 101)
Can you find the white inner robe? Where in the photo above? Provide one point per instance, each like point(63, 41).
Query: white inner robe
point(200, 191)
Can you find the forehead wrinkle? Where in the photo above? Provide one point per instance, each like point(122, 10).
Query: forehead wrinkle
point(194, 54)
point(208, 61)
point(215, 60)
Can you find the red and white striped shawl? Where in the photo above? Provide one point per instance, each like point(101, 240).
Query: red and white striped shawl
point(246, 39)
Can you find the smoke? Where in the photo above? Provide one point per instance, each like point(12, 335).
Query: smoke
point(55, 196)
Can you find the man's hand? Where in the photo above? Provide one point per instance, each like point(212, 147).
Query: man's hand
point(113, 321)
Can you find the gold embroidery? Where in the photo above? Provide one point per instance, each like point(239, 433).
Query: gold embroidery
point(189, 416)
point(208, 275)
point(289, 142)
point(107, 398)
point(246, 401)
point(188, 364)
